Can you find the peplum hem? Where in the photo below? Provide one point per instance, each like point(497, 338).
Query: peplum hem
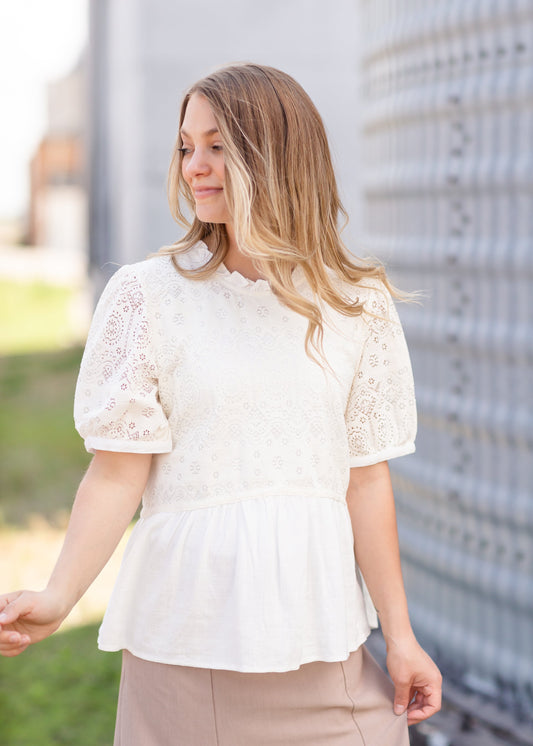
point(258, 585)
point(244, 666)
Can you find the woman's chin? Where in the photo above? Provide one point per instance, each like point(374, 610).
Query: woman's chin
point(209, 216)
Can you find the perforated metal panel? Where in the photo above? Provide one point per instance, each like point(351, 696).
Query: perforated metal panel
point(447, 94)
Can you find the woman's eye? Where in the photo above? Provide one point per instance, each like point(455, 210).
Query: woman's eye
point(216, 147)
point(185, 151)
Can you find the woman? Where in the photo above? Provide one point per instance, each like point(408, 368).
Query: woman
point(250, 383)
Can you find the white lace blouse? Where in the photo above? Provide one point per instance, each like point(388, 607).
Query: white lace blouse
point(243, 556)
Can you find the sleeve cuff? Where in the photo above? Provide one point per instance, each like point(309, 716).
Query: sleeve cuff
point(93, 444)
point(375, 458)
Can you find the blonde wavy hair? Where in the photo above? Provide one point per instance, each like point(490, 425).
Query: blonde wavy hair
point(280, 190)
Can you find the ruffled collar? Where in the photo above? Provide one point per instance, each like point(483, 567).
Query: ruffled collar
point(198, 255)
point(234, 277)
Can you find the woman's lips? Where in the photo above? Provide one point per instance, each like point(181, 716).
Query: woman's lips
point(204, 192)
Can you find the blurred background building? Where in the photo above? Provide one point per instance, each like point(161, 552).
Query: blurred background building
point(57, 215)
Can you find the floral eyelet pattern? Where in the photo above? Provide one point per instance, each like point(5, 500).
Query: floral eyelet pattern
point(244, 520)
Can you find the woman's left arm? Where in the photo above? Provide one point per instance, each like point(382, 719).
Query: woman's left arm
point(417, 680)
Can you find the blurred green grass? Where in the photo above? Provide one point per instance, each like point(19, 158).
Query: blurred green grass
point(43, 458)
point(34, 316)
point(61, 691)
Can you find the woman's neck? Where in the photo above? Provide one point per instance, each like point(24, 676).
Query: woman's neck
point(236, 261)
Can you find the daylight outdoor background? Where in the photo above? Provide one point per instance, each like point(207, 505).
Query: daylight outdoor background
point(429, 111)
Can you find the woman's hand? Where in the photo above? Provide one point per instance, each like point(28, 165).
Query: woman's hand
point(417, 680)
point(27, 617)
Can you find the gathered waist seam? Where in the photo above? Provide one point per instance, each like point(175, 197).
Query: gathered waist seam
point(147, 511)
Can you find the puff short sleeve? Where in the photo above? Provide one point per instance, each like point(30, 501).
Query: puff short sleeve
point(381, 415)
point(116, 405)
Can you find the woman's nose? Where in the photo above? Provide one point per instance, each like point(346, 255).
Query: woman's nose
point(197, 163)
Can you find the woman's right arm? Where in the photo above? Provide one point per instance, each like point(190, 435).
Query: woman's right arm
point(107, 499)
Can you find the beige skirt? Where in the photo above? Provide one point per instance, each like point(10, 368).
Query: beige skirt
point(347, 703)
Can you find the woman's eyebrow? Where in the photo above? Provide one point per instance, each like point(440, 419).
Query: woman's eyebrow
point(213, 131)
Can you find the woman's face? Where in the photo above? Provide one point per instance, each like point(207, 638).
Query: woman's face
point(203, 161)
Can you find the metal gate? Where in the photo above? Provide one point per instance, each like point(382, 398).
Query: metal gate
point(447, 135)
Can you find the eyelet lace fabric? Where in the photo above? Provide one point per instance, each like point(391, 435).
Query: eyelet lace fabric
point(243, 556)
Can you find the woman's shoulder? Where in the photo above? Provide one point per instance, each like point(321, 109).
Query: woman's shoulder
point(139, 288)
point(145, 270)
point(370, 291)
point(374, 294)
point(156, 283)
point(164, 264)
point(156, 274)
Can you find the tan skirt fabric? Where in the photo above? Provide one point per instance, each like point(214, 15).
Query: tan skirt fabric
point(321, 704)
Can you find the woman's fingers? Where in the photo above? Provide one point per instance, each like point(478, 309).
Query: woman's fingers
point(421, 710)
point(14, 639)
point(426, 702)
point(16, 605)
point(26, 618)
point(13, 642)
point(403, 694)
